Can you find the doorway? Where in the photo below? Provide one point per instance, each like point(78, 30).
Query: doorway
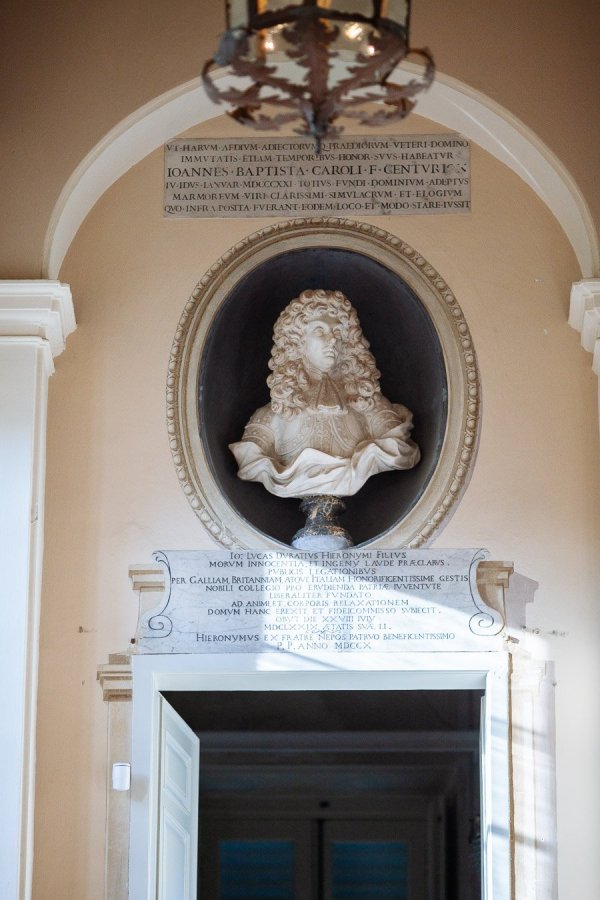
point(337, 795)
point(158, 761)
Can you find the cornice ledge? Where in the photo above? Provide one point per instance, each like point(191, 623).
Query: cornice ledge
point(492, 582)
point(115, 678)
point(37, 309)
point(147, 577)
point(584, 316)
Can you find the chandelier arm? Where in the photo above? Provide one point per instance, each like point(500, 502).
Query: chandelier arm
point(393, 95)
point(428, 74)
point(262, 74)
point(310, 41)
point(401, 108)
point(327, 105)
point(371, 70)
point(234, 52)
point(246, 98)
point(390, 92)
point(311, 52)
point(261, 123)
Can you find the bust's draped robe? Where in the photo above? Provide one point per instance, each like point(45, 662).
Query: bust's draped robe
point(327, 447)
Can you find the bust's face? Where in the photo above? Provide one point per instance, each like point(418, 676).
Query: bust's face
point(322, 343)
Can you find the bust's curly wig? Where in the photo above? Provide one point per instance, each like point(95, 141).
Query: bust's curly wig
point(355, 370)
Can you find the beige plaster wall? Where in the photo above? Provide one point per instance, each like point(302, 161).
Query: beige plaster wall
point(72, 70)
point(113, 496)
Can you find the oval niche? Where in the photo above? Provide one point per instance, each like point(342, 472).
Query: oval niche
point(218, 372)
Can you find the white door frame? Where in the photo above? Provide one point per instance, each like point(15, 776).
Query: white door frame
point(278, 671)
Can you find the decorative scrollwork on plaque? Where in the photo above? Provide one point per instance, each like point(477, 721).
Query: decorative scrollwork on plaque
point(158, 624)
point(486, 621)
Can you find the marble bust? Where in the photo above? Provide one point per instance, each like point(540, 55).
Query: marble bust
point(328, 428)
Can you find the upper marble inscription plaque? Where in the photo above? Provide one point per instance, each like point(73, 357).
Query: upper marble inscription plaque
point(315, 603)
point(367, 176)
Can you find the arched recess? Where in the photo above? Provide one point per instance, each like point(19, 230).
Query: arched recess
point(448, 102)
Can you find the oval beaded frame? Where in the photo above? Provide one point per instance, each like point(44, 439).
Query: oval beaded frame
point(454, 466)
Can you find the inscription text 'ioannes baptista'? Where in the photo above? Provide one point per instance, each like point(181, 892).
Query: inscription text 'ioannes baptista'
point(366, 176)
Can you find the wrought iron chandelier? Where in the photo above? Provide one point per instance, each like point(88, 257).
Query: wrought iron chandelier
point(343, 51)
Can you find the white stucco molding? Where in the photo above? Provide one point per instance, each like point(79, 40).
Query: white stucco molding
point(448, 102)
point(584, 316)
point(533, 777)
point(35, 319)
point(37, 309)
point(115, 679)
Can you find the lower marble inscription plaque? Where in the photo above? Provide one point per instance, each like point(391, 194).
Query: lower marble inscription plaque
point(313, 603)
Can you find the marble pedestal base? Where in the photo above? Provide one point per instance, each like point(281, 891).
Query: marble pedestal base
point(322, 530)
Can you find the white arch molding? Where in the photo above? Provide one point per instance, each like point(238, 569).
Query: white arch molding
point(448, 102)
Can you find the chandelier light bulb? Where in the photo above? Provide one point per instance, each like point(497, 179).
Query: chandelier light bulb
point(354, 31)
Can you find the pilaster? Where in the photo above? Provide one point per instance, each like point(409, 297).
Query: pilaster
point(115, 679)
point(35, 319)
point(534, 778)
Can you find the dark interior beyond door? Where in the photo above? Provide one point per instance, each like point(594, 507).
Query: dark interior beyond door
point(337, 795)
